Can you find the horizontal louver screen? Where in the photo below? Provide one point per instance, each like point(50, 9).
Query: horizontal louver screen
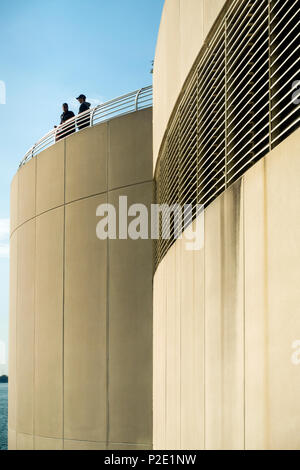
point(241, 101)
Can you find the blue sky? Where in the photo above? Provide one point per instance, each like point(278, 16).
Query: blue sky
point(51, 51)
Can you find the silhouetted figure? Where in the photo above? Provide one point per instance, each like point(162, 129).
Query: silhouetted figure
point(84, 106)
point(65, 129)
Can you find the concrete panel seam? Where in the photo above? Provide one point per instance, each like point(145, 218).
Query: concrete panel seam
point(145, 444)
point(23, 433)
point(108, 443)
point(77, 200)
point(149, 444)
point(130, 185)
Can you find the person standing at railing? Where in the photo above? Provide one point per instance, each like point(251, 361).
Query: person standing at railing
point(65, 129)
point(84, 106)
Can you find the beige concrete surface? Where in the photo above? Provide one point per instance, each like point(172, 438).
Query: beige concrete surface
point(26, 191)
point(191, 267)
point(86, 176)
point(12, 439)
point(184, 27)
point(25, 442)
point(118, 446)
point(250, 304)
point(272, 324)
point(12, 385)
point(159, 357)
point(283, 291)
point(130, 330)
point(256, 338)
point(192, 25)
point(85, 324)
point(50, 167)
point(84, 445)
point(189, 368)
point(197, 358)
point(124, 171)
point(14, 202)
point(211, 10)
point(166, 74)
point(173, 372)
point(49, 324)
point(178, 384)
point(76, 379)
point(44, 443)
point(25, 328)
point(224, 338)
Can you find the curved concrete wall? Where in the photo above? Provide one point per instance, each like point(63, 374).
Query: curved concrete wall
point(226, 320)
point(81, 309)
point(184, 27)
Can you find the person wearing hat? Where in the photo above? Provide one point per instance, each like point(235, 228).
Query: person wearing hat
point(84, 106)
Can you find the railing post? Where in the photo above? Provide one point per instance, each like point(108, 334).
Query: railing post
point(55, 134)
point(137, 99)
point(92, 114)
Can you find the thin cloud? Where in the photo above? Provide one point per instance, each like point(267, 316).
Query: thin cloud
point(4, 238)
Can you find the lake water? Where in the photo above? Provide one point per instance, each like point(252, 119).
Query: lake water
point(3, 416)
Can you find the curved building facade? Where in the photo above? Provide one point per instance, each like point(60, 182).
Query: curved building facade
point(81, 308)
point(217, 366)
point(226, 136)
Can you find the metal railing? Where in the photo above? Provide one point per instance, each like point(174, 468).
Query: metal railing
point(134, 101)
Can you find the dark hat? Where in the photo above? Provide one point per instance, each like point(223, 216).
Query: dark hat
point(81, 96)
